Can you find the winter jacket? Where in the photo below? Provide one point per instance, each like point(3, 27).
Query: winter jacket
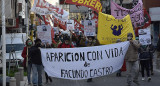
point(35, 55)
point(132, 52)
point(144, 52)
point(24, 53)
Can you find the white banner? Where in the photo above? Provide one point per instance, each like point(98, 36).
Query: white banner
point(89, 28)
point(70, 25)
point(42, 7)
point(144, 36)
point(44, 33)
point(84, 63)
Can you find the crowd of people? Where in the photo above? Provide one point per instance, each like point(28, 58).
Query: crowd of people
point(138, 57)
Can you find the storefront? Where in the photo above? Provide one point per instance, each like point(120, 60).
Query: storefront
point(155, 18)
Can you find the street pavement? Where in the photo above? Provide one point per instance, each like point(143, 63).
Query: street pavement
point(108, 80)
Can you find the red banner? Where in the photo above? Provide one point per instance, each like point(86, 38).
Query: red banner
point(93, 4)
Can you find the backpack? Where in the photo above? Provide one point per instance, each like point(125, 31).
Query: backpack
point(144, 53)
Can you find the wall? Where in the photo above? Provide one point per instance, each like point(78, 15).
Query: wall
point(151, 3)
point(9, 10)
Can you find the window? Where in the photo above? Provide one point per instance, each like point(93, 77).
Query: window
point(15, 47)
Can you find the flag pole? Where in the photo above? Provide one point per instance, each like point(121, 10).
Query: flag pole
point(27, 29)
point(3, 41)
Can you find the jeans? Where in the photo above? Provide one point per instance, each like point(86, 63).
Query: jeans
point(151, 65)
point(37, 74)
point(145, 66)
point(29, 67)
point(132, 66)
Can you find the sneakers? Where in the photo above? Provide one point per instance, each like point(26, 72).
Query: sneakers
point(152, 73)
point(118, 74)
point(143, 78)
point(149, 79)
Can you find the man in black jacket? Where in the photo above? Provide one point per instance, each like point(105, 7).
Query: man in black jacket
point(36, 63)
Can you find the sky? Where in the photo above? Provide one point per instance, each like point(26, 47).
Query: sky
point(53, 1)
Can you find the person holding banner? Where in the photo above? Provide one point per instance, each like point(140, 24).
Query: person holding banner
point(27, 59)
point(82, 40)
point(91, 42)
point(36, 63)
point(46, 75)
point(57, 41)
point(66, 43)
point(118, 74)
point(132, 60)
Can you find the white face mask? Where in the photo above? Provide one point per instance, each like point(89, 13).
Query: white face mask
point(129, 38)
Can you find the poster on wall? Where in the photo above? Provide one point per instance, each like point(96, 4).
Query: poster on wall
point(70, 25)
point(44, 33)
point(89, 28)
point(144, 36)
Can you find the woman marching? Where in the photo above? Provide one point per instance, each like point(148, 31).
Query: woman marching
point(27, 60)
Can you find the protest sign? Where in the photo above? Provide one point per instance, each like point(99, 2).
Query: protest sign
point(144, 31)
point(145, 39)
point(111, 29)
point(44, 33)
point(144, 36)
point(42, 7)
point(135, 13)
point(93, 4)
point(85, 62)
point(89, 28)
point(70, 25)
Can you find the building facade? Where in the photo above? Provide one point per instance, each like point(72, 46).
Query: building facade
point(15, 15)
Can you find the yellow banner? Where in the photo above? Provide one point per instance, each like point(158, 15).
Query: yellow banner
point(111, 29)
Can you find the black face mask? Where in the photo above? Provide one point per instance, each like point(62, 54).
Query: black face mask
point(38, 45)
